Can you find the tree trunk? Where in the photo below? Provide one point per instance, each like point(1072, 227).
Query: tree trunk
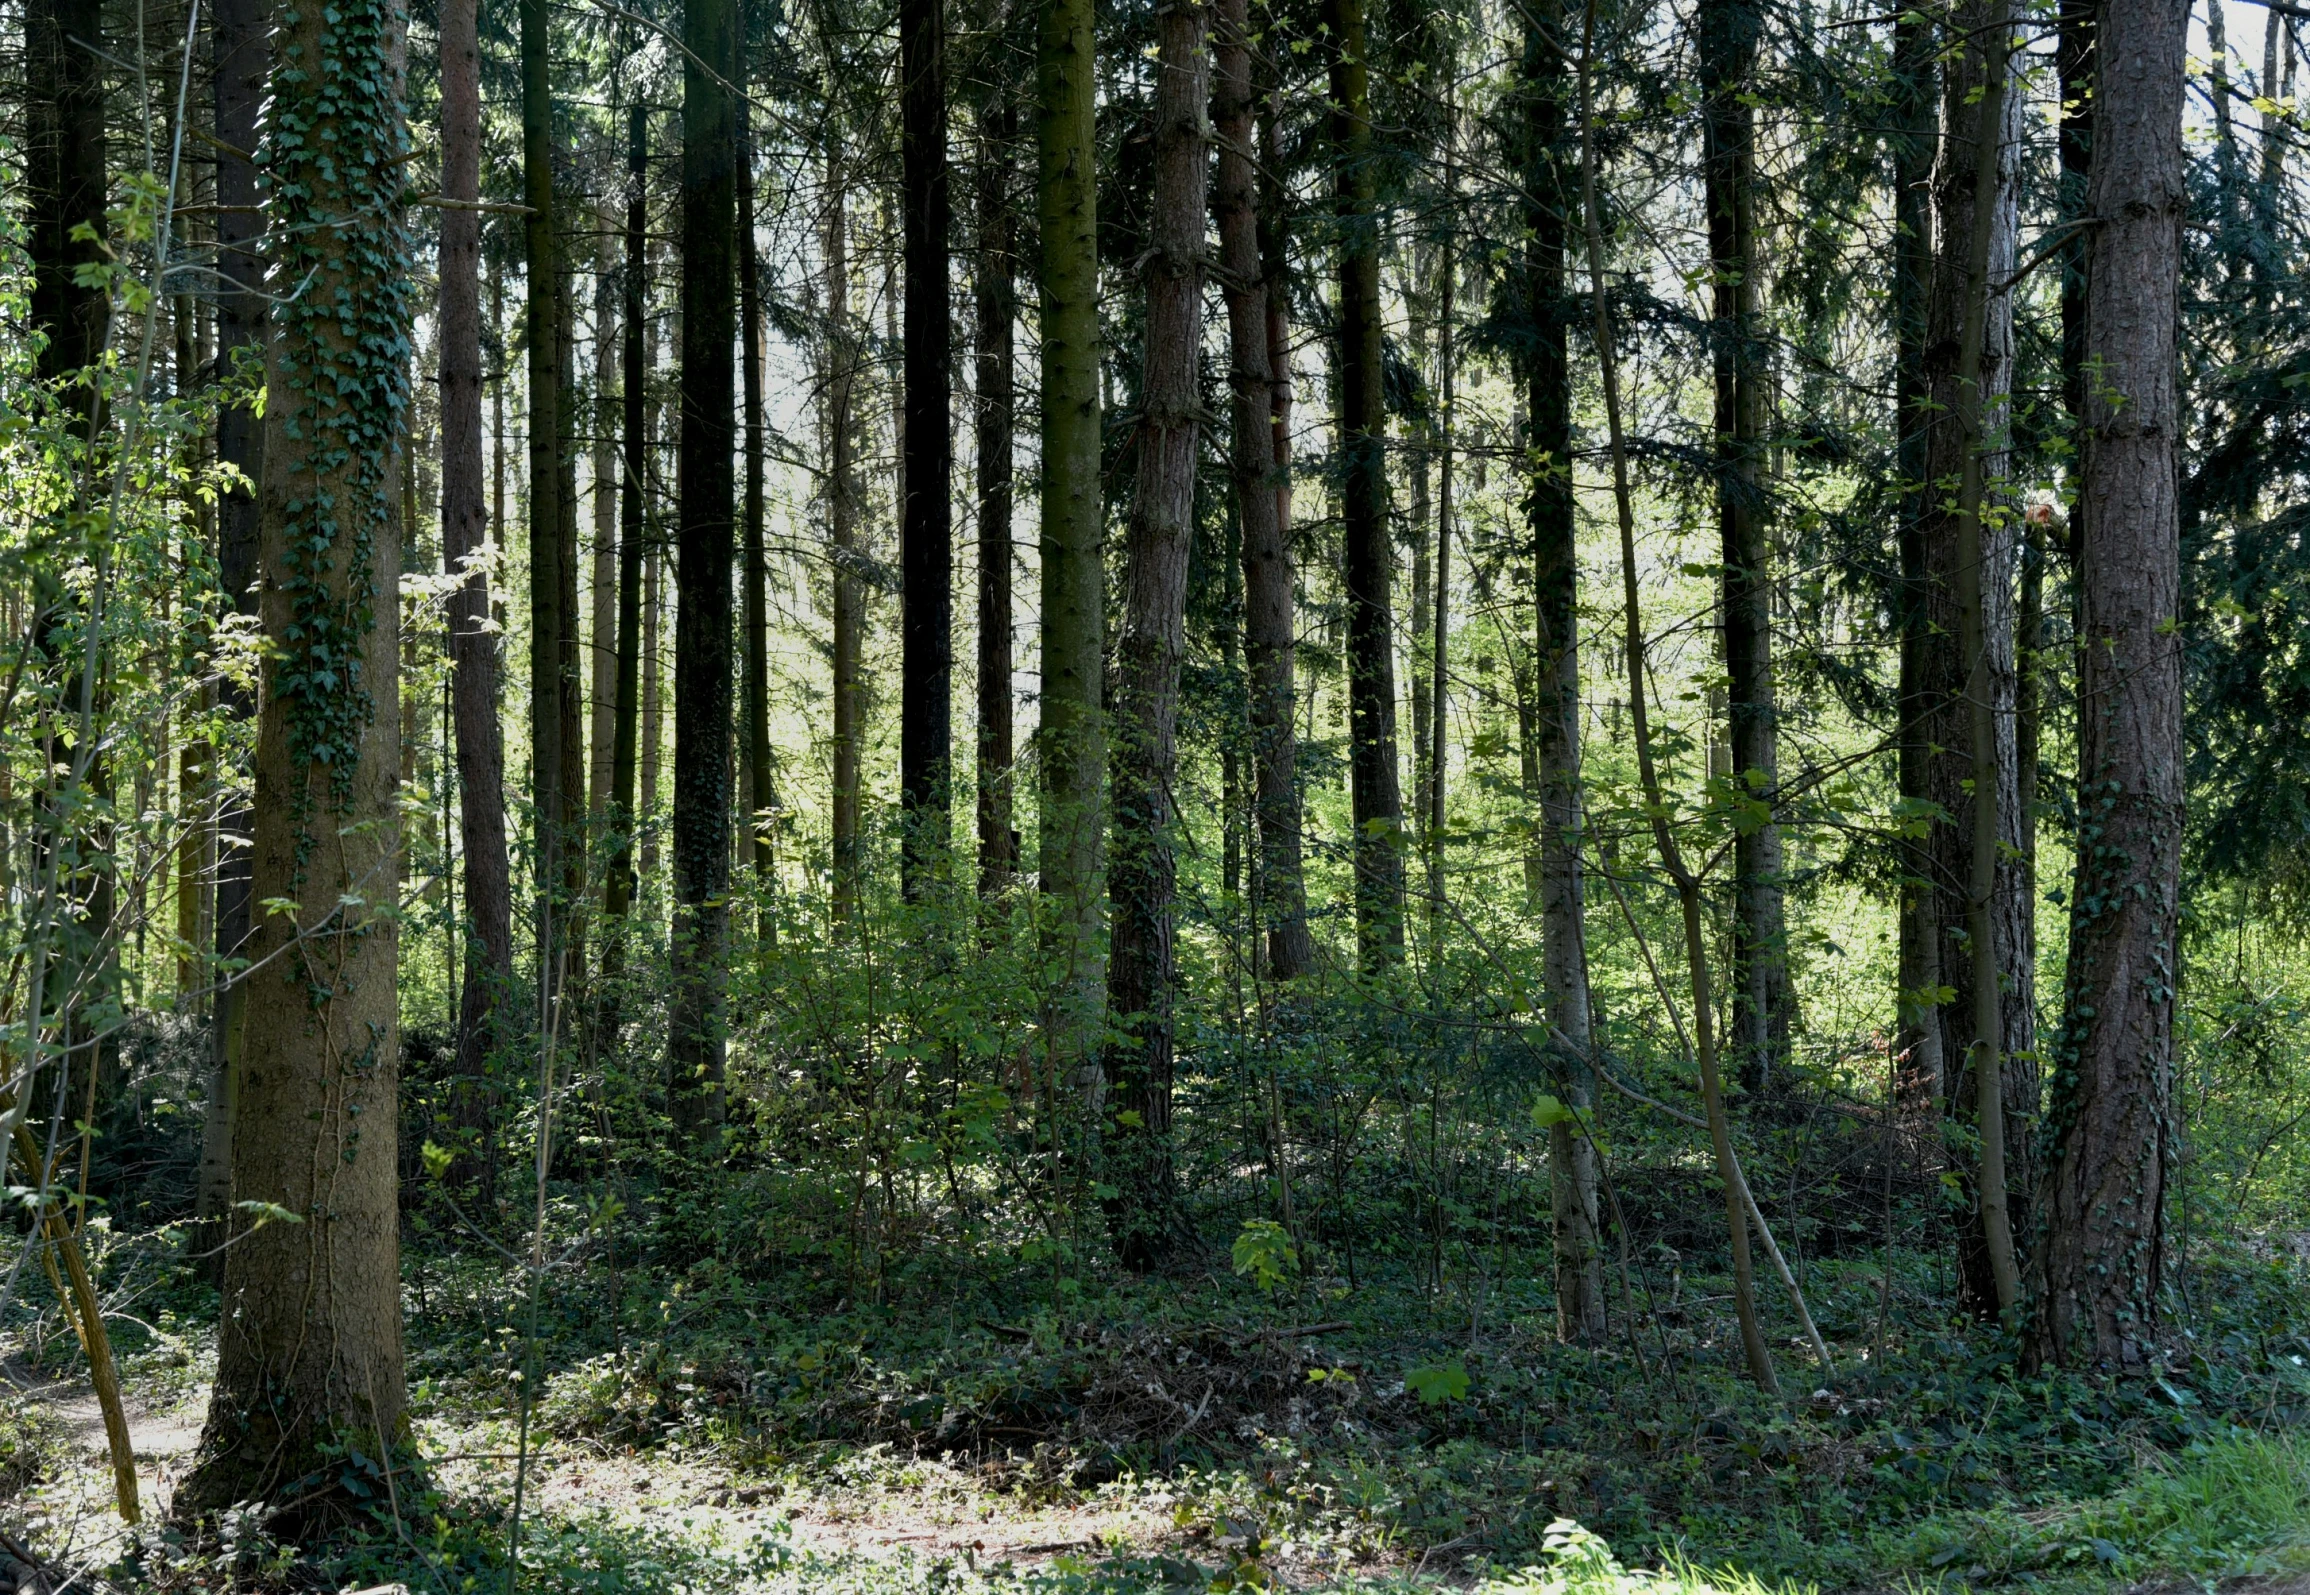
point(473, 668)
point(997, 315)
point(1763, 1005)
point(1142, 969)
point(844, 555)
point(64, 176)
point(760, 781)
point(544, 510)
point(1258, 463)
point(1945, 730)
point(601, 650)
point(633, 537)
point(310, 1346)
point(702, 621)
point(240, 60)
point(1071, 739)
point(926, 457)
point(1368, 566)
point(1549, 187)
point(569, 909)
point(653, 664)
point(2102, 1258)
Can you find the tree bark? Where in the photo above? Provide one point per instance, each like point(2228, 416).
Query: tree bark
point(1549, 187)
point(310, 1345)
point(64, 173)
point(761, 782)
point(1377, 797)
point(997, 403)
point(546, 619)
point(2102, 1259)
point(601, 650)
point(633, 536)
point(1071, 737)
point(1945, 729)
point(240, 60)
point(702, 622)
point(926, 458)
point(1142, 969)
point(843, 555)
point(473, 667)
point(1763, 1005)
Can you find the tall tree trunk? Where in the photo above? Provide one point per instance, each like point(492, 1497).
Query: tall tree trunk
point(1440, 620)
point(311, 1340)
point(1142, 970)
point(543, 328)
point(1368, 566)
point(844, 555)
point(601, 650)
point(2102, 1259)
point(1551, 199)
point(1278, 909)
point(64, 173)
point(1762, 1003)
point(473, 668)
point(1915, 118)
point(633, 537)
point(997, 316)
point(1945, 729)
point(569, 644)
point(1071, 738)
point(760, 780)
point(926, 458)
point(702, 622)
point(240, 60)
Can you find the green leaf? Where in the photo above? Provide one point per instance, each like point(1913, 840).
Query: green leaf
point(436, 1160)
point(1437, 1385)
point(269, 1213)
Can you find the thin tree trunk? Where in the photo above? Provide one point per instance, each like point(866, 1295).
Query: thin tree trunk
point(702, 622)
point(653, 664)
point(601, 652)
point(240, 61)
point(1440, 639)
point(757, 819)
point(2102, 1260)
point(546, 619)
point(633, 538)
point(1368, 564)
point(1251, 281)
point(1763, 1005)
point(1688, 886)
point(473, 665)
point(926, 459)
point(569, 649)
point(844, 554)
point(1071, 739)
point(997, 316)
point(311, 1340)
point(1142, 969)
point(1549, 512)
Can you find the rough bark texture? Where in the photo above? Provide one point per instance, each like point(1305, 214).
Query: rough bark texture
point(633, 533)
point(926, 458)
point(240, 56)
point(1072, 737)
point(997, 404)
point(760, 780)
point(1142, 970)
point(601, 650)
point(309, 1342)
point(1549, 513)
point(473, 666)
point(2102, 1253)
point(1945, 728)
point(1763, 1003)
point(702, 620)
point(1377, 796)
point(843, 553)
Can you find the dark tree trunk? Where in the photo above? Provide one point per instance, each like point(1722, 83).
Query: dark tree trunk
point(1549, 187)
point(843, 553)
point(546, 619)
point(1142, 970)
point(1368, 566)
point(926, 456)
point(1763, 1005)
point(64, 174)
point(239, 58)
point(310, 1343)
point(702, 621)
point(997, 315)
point(633, 533)
point(760, 780)
point(488, 957)
point(2102, 1258)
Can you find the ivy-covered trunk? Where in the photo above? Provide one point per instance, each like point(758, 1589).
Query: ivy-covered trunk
point(309, 1342)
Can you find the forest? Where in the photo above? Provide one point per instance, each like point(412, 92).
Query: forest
point(1135, 797)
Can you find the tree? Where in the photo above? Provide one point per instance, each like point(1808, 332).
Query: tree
point(759, 776)
point(701, 853)
point(542, 328)
point(1550, 191)
point(2100, 1264)
point(844, 556)
point(1071, 739)
point(1142, 970)
point(633, 537)
point(1259, 462)
point(310, 1339)
point(1367, 568)
point(464, 530)
point(997, 315)
point(926, 461)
